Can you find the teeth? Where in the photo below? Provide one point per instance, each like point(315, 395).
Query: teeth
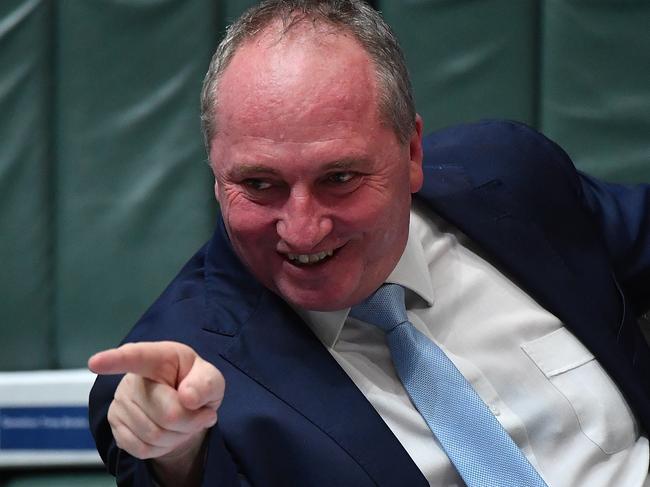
point(316, 257)
point(310, 258)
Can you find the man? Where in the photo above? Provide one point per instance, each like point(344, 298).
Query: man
point(252, 368)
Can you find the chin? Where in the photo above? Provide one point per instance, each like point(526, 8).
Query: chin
point(314, 300)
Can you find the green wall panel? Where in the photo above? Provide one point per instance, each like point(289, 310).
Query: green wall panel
point(231, 9)
point(135, 193)
point(104, 190)
point(60, 478)
point(469, 59)
point(596, 84)
point(25, 227)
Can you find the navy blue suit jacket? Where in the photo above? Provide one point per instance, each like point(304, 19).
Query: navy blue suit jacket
point(291, 415)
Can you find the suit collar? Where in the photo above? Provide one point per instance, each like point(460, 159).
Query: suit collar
point(530, 253)
point(232, 294)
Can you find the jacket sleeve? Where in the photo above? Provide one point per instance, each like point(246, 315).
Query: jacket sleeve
point(622, 215)
point(178, 303)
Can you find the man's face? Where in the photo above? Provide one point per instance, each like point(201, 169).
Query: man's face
point(314, 189)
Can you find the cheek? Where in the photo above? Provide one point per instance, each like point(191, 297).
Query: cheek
point(384, 225)
point(252, 233)
point(376, 211)
point(249, 225)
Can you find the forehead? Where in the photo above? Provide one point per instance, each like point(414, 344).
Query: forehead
point(314, 74)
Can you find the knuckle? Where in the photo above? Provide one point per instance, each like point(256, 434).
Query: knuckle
point(142, 451)
point(116, 414)
point(153, 435)
point(135, 448)
point(168, 369)
point(217, 376)
point(127, 442)
point(182, 347)
point(112, 415)
point(212, 380)
point(208, 383)
point(126, 385)
point(116, 429)
point(171, 415)
point(119, 395)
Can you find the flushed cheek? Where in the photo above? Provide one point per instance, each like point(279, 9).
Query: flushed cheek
point(252, 233)
point(249, 224)
point(377, 225)
point(383, 242)
point(243, 216)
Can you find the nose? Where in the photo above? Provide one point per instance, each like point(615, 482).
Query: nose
point(304, 223)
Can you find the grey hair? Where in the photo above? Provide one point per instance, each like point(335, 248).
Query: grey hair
point(396, 106)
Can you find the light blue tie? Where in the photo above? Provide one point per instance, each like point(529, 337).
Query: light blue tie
point(475, 442)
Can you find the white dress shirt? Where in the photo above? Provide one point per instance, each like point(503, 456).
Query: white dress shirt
point(546, 389)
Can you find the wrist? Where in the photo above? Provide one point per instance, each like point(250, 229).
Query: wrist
point(182, 466)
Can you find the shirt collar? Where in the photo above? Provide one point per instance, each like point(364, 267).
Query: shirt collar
point(411, 272)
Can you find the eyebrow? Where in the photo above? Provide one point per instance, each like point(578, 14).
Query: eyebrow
point(344, 164)
point(249, 170)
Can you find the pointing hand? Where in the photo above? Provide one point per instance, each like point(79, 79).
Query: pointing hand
point(165, 403)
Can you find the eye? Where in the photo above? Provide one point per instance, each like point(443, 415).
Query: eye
point(256, 184)
point(340, 177)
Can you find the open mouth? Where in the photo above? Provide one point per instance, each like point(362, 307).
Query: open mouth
point(310, 259)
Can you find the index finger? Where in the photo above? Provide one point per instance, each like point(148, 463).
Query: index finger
point(165, 362)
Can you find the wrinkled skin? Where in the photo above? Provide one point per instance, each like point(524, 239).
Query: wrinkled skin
point(304, 165)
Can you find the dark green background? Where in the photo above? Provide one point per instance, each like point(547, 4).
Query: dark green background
point(104, 190)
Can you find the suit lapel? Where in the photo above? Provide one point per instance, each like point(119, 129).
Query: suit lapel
point(279, 351)
point(274, 347)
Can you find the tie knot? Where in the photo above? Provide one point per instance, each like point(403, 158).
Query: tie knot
point(384, 308)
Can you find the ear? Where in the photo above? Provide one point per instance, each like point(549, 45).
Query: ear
point(416, 177)
point(216, 189)
point(214, 173)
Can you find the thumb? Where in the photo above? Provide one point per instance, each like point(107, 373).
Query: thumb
point(203, 386)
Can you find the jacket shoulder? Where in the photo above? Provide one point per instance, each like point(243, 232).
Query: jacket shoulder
point(533, 168)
